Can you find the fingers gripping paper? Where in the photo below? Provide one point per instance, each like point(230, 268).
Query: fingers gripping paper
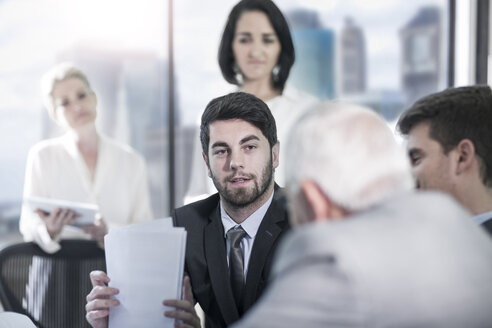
point(145, 262)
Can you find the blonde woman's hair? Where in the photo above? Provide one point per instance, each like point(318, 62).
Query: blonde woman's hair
point(56, 74)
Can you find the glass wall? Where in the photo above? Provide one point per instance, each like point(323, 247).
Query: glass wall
point(122, 46)
point(381, 53)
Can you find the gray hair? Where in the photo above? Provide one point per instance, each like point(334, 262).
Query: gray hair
point(58, 73)
point(350, 152)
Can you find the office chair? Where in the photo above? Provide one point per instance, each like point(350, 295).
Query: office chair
point(50, 289)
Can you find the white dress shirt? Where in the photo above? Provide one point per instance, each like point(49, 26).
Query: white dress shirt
point(250, 226)
point(56, 169)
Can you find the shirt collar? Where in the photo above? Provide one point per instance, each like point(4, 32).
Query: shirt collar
point(69, 142)
point(483, 217)
point(252, 222)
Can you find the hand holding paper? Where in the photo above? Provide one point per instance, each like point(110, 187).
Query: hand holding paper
point(145, 262)
point(98, 301)
point(185, 309)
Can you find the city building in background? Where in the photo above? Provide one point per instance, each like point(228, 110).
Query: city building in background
point(313, 70)
point(388, 101)
point(421, 53)
point(353, 59)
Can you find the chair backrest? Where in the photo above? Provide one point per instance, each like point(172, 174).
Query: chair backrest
point(50, 289)
point(15, 320)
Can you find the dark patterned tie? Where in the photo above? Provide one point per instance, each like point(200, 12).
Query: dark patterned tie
point(236, 263)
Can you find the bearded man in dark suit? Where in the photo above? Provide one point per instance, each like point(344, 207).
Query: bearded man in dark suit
point(227, 273)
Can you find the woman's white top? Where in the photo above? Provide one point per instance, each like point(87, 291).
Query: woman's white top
point(286, 109)
point(56, 169)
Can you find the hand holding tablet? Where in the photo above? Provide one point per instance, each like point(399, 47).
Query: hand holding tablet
point(86, 212)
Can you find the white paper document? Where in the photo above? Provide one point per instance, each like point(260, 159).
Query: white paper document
point(86, 211)
point(145, 262)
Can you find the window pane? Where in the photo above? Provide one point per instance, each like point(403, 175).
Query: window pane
point(198, 28)
point(384, 54)
point(122, 46)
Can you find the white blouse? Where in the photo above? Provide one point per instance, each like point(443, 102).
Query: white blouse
point(56, 169)
point(286, 109)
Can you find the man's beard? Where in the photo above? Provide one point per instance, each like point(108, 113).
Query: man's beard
point(242, 197)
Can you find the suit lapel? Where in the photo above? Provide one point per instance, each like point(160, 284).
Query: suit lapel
point(268, 232)
point(487, 225)
point(215, 251)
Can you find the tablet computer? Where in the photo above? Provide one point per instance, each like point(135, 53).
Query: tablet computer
point(86, 211)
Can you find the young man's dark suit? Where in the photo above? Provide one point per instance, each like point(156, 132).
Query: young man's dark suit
point(487, 225)
point(206, 258)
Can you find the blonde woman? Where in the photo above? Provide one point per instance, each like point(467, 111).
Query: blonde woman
point(82, 165)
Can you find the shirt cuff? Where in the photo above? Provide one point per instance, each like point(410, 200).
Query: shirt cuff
point(45, 241)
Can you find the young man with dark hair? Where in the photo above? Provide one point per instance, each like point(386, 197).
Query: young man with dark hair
point(450, 146)
point(232, 235)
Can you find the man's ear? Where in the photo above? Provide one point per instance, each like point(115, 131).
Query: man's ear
point(321, 206)
point(205, 159)
point(275, 154)
point(466, 155)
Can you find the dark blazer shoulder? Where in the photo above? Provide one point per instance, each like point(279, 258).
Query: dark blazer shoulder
point(200, 210)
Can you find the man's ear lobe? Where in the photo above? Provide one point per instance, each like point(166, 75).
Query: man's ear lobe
point(319, 203)
point(466, 155)
point(205, 159)
point(275, 154)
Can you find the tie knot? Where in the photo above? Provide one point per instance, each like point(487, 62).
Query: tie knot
point(235, 235)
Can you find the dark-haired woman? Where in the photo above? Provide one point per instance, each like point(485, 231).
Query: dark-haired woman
point(256, 53)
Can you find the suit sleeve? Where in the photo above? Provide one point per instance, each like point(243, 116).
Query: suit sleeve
point(311, 293)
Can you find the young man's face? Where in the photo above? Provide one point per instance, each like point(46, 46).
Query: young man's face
point(431, 168)
point(240, 162)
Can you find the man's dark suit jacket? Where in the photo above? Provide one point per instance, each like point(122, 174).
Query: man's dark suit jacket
point(487, 225)
point(206, 259)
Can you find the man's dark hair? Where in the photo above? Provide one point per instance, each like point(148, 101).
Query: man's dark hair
point(287, 55)
point(242, 106)
point(456, 114)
